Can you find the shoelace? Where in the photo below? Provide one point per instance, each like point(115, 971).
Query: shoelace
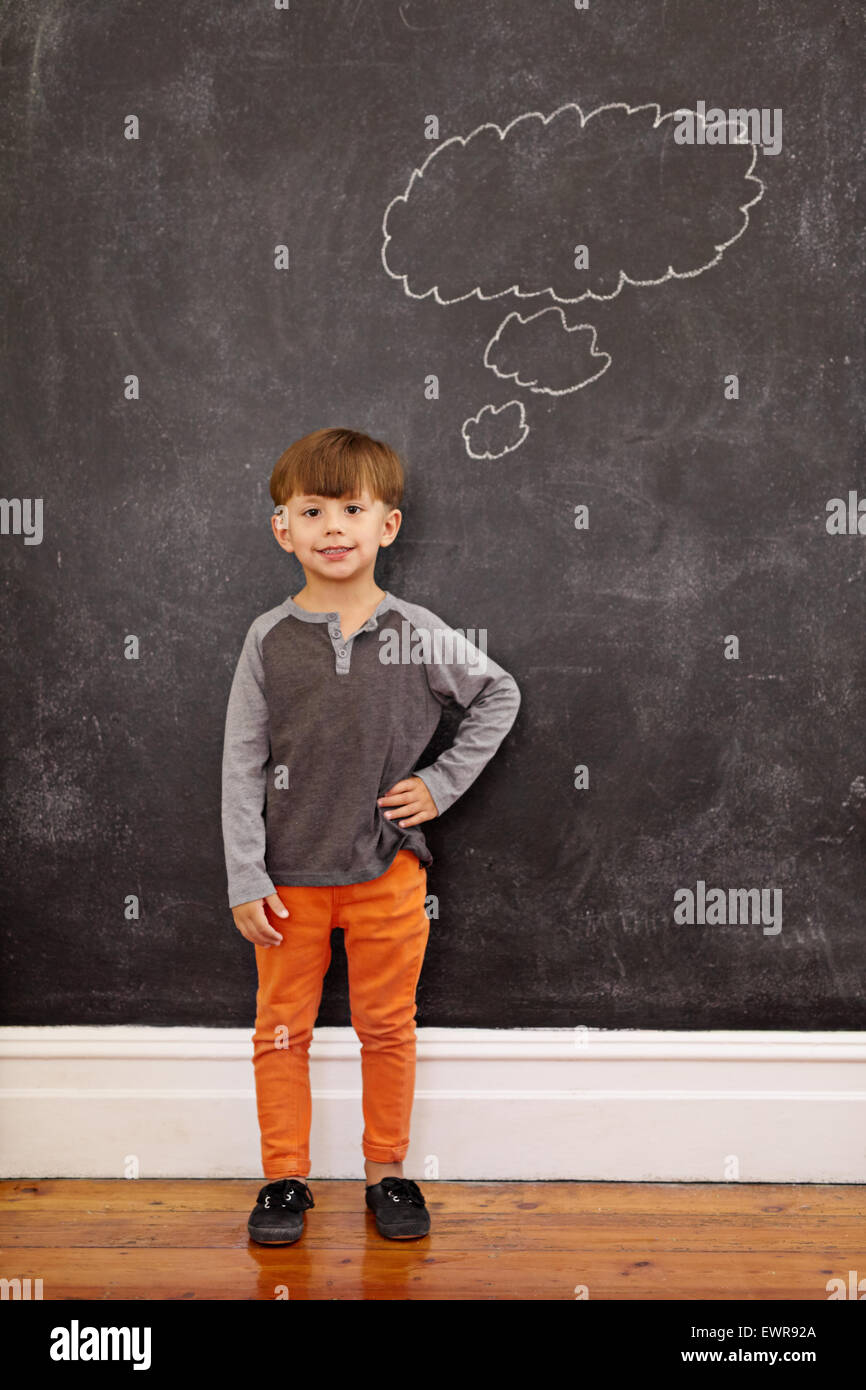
point(404, 1190)
point(283, 1192)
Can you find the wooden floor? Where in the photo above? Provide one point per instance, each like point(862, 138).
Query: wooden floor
point(150, 1239)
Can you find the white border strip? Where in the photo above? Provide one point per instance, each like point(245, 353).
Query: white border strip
point(490, 1104)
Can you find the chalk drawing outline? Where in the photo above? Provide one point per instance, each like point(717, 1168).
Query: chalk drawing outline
point(547, 390)
point(624, 279)
point(496, 410)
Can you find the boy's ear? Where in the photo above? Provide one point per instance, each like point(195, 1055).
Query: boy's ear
point(392, 522)
point(279, 527)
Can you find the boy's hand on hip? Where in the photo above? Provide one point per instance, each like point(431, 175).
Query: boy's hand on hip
point(251, 920)
point(411, 799)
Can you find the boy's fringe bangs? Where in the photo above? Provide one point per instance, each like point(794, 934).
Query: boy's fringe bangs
point(333, 462)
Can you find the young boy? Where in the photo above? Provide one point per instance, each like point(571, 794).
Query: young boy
point(336, 694)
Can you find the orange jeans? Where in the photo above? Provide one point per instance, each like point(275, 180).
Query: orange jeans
point(385, 929)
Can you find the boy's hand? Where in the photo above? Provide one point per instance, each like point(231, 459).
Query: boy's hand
point(412, 799)
point(251, 921)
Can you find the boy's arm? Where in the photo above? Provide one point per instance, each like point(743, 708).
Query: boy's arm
point(490, 696)
point(246, 750)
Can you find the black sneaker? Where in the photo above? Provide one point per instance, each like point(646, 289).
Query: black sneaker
point(278, 1215)
point(399, 1208)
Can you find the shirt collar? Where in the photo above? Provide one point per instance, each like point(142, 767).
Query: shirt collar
point(307, 617)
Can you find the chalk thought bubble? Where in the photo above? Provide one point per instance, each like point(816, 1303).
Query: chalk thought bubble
point(531, 349)
point(495, 431)
point(571, 207)
point(500, 211)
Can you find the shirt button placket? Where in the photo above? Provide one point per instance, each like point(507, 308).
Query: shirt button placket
point(342, 652)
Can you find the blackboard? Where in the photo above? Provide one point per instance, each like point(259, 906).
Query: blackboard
point(414, 318)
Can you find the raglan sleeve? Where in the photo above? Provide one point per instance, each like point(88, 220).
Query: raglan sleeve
point(460, 672)
point(246, 751)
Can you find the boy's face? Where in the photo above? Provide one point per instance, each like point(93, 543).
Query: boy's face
point(336, 537)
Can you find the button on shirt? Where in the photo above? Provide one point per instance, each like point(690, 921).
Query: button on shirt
point(319, 726)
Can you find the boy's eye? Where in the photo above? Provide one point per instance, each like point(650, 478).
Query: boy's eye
point(352, 506)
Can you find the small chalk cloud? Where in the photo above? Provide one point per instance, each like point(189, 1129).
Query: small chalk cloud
point(541, 352)
point(495, 431)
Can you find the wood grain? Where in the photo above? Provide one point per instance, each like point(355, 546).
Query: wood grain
point(151, 1239)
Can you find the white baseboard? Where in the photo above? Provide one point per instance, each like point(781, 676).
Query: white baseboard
point(510, 1104)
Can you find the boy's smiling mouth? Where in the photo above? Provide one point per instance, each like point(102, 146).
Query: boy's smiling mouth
point(336, 550)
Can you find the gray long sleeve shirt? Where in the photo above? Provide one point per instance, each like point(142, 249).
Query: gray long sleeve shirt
point(319, 726)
